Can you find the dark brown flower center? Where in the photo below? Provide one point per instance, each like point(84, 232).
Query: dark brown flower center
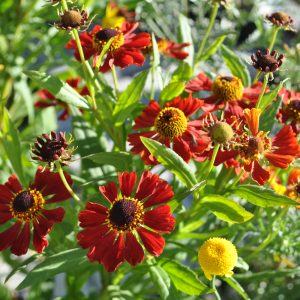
point(71, 18)
point(23, 201)
point(268, 62)
point(293, 110)
point(280, 18)
point(106, 34)
point(125, 214)
point(297, 190)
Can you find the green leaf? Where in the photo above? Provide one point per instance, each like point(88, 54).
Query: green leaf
point(171, 160)
point(155, 51)
point(129, 98)
point(185, 36)
point(182, 73)
point(161, 279)
point(5, 293)
point(236, 65)
point(225, 209)
point(103, 51)
point(216, 44)
point(58, 263)
point(58, 88)
point(269, 97)
point(12, 146)
point(184, 279)
point(268, 116)
point(261, 196)
point(171, 91)
point(238, 288)
point(120, 160)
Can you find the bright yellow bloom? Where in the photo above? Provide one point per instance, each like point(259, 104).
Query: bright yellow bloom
point(111, 18)
point(217, 256)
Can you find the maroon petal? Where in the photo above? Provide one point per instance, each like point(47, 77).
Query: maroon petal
point(90, 237)
point(21, 244)
point(42, 225)
point(55, 215)
point(160, 219)
point(4, 217)
point(162, 194)
point(98, 208)
point(88, 218)
point(39, 242)
point(127, 182)
point(154, 243)
point(134, 252)
point(182, 149)
point(109, 191)
point(146, 185)
point(259, 174)
point(8, 236)
point(14, 184)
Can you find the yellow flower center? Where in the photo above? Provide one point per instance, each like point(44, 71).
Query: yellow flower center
point(101, 38)
point(126, 214)
point(171, 122)
point(162, 45)
point(217, 256)
point(227, 88)
point(26, 205)
point(293, 110)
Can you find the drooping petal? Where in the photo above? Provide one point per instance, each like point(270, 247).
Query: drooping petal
point(8, 236)
point(21, 244)
point(279, 160)
point(134, 252)
point(55, 215)
point(89, 218)
point(200, 83)
point(147, 185)
point(154, 243)
point(182, 149)
point(147, 118)
point(5, 216)
point(39, 242)
point(259, 174)
point(98, 208)
point(109, 191)
point(162, 194)
point(127, 182)
point(90, 236)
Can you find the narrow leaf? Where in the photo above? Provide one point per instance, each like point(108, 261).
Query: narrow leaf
point(171, 91)
point(238, 288)
point(268, 116)
point(216, 44)
point(161, 280)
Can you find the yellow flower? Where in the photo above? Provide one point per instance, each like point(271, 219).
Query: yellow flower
point(111, 18)
point(217, 256)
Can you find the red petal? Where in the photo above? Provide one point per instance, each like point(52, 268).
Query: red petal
point(4, 217)
point(14, 184)
point(162, 194)
point(154, 243)
point(98, 208)
point(259, 174)
point(89, 218)
point(123, 58)
point(109, 191)
point(147, 185)
point(42, 225)
point(8, 236)
point(21, 244)
point(55, 215)
point(200, 83)
point(182, 149)
point(134, 252)
point(139, 40)
point(90, 237)
point(127, 182)
point(279, 160)
point(39, 242)
point(147, 118)
point(160, 219)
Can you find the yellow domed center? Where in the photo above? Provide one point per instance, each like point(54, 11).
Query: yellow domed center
point(101, 38)
point(126, 214)
point(26, 205)
point(226, 88)
point(293, 110)
point(170, 123)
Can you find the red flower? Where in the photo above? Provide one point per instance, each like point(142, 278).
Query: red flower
point(111, 233)
point(290, 111)
point(125, 50)
point(171, 126)
point(226, 91)
point(255, 145)
point(48, 99)
point(26, 206)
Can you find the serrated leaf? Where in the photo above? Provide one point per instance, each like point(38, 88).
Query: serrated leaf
point(129, 98)
point(161, 280)
point(58, 263)
point(212, 49)
point(225, 209)
point(120, 160)
point(171, 160)
point(171, 91)
point(60, 89)
point(269, 97)
point(236, 65)
point(261, 196)
point(184, 279)
point(12, 147)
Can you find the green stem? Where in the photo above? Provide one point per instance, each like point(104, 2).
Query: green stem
point(65, 182)
point(213, 16)
point(64, 4)
point(237, 180)
point(115, 78)
point(213, 285)
point(152, 94)
point(213, 158)
point(273, 38)
point(258, 73)
point(263, 89)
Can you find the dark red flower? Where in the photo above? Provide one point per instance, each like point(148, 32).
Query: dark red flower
point(26, 207)
point(125, 50)
point(225, 91)
point(171, 126)
point(290, 110)
point(111, 233)
point(48, 99)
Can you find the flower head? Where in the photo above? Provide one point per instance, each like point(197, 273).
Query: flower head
point(72, 18)
point(171, 126)
point(226, 92)
point(125, 49)
point(47, 99)
point(217, 256)
point(268, 62)
point(51, 148)
point(281, 19)
point(26, 206)
point(111, 233)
